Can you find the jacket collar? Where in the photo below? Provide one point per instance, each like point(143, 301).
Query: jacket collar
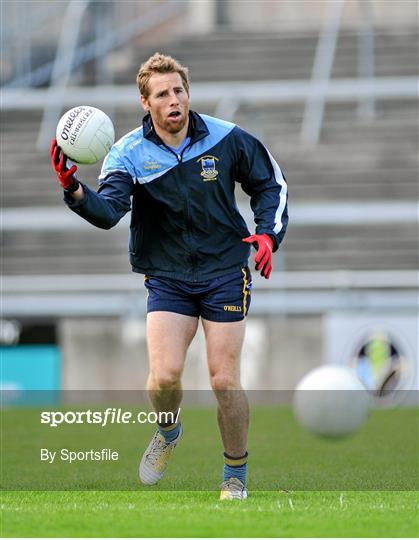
point(197, 128)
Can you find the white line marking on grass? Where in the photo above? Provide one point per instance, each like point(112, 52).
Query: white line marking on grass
point(291, 504)
point(341, 500)
point(279, 505)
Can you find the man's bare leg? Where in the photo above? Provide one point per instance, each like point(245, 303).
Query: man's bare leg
point(168, 336)
point(224, 344)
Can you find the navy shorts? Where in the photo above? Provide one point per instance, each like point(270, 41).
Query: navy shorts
point(222, 299)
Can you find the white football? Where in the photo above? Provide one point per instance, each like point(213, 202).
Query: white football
point(85, 134)
point(331, 401)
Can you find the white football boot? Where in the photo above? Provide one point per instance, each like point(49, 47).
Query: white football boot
point(156, 458)
point(231, 489)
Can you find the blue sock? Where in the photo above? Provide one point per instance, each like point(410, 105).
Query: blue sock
point(169, 432)
point(235, 468)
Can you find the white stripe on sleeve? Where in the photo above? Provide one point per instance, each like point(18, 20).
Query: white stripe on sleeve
point(282, 196)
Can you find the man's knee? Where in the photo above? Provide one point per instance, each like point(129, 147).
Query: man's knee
point(224, 381)
point(165, 379)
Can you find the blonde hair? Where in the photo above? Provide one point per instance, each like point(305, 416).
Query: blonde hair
point(160, 63)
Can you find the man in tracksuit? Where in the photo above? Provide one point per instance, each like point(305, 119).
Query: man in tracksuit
point(177, 174)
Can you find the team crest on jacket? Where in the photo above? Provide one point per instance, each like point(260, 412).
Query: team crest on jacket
point(208, 164)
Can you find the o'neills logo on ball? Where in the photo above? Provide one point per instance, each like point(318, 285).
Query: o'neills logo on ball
point(68, 132)
point(69, 122)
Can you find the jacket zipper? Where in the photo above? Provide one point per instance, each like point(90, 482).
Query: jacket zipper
point(192, 256)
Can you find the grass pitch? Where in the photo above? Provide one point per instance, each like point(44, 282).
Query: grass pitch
point(200, 514)
point(300, 486)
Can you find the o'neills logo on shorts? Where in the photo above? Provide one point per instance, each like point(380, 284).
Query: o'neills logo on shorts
point(232, 308)
point(67, 131)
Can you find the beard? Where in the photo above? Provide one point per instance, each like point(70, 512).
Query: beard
point(173, 125)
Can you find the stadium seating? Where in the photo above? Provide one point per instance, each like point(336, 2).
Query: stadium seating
point(244, 56)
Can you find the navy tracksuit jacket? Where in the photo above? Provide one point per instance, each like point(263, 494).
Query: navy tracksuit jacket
point(185, 223)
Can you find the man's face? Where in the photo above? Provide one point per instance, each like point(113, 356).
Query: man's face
point(168, 102)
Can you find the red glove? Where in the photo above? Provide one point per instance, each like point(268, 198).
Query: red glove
point(65, 176)
point(263, 258)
